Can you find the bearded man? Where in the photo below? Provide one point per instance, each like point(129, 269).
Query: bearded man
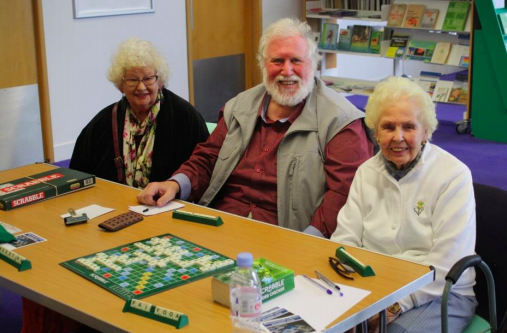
point(284, 152)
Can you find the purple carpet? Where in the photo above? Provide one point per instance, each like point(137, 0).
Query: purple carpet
point(10, 312)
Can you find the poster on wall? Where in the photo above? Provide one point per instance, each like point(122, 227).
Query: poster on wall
point(94, 8)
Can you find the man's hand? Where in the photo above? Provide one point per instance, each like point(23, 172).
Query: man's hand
point(158, 194)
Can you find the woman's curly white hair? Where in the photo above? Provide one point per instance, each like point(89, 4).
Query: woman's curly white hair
point(133, 53)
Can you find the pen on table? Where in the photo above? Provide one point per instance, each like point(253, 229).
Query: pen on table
point(329, 292)
point(147, 209)
point(328, 282)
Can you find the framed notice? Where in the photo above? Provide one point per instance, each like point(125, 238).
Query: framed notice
point(94, 8)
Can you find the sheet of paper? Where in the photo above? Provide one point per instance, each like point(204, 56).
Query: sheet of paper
point(314, 305)
point(152, 210)
point(10, 228)
point(91, 211)
point(23, 240)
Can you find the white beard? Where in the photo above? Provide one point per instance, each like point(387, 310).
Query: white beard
point(287, 97)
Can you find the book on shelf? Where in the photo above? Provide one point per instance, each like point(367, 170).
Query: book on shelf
point(456, 16)
point(329, 36)
point(502, 17)
point(377, 36)
point(459, 55)
point(429, 18)
point(464, 60)
point(334, 4)
point(459, 90)
point(397, 46)
point(344, 39)
point(441, 52)
point(413, 16)
point(396, 15)
point(428, 81)
point(360, 40)
point(442, 91)
point(420, 50)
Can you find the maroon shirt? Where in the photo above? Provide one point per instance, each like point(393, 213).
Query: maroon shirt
point(252, 186)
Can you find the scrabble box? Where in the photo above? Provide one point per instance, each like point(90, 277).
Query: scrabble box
point(275, 281)
point(42, 186)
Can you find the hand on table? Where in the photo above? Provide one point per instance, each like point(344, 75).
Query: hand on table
point(158, 193)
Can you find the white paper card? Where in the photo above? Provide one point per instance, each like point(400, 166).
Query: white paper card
point(314, 305)
point(23, 240)
point(10, 228)
point(91, 211)
point(153, 210)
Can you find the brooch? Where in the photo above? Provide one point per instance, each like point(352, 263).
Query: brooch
point(419, 208)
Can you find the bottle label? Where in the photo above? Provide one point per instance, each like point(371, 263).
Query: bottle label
point(246, 302)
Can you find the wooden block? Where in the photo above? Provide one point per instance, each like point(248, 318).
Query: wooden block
point(158, 313)
point(215, 221)
point(16, 260)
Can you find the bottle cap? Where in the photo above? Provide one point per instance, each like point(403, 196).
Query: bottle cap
point(244, 259)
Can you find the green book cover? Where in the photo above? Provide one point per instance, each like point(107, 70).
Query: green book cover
point(420, 50)
point(377, 36)
point(329, 37)
point(360, 40)
point(344, 39)
point(456, 16)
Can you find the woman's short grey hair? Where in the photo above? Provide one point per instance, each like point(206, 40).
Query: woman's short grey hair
point(288, 27)
point(395, 89)
point(135, 52)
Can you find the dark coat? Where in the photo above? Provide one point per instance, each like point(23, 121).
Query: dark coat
point(179, 129)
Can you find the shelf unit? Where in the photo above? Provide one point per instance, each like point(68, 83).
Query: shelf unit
point(401, 66)
point(489, 97)
point(329, 65)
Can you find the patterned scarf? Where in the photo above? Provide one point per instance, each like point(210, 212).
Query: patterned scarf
point(400, 173)
point(138, 158)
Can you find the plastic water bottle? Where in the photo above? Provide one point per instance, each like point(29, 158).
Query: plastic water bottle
point(246, 296)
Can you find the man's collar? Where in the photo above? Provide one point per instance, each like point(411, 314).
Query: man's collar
point(263, 110)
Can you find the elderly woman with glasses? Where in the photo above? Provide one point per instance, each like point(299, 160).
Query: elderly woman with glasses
point(413, 201)
point(149, 133)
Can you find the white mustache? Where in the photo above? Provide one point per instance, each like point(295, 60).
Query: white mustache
point(288, 78)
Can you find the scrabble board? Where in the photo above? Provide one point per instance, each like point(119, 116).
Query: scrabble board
point(149, 266)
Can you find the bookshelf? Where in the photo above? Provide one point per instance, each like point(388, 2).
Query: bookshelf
point(489, 94)
point(458, 58)
point(458, 39)
point(375, 67)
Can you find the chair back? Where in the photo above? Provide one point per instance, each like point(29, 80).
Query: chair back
point(211, 127)
point(491, 211)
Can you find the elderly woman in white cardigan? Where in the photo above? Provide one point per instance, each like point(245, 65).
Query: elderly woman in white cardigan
point(414, 201)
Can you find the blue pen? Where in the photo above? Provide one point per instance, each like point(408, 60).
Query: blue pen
point(328, 291)
point(329, 282)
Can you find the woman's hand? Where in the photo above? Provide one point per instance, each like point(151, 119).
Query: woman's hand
point(158, 194)
point(392, 311)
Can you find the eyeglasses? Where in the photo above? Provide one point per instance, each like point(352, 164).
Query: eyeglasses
point(147, 81)
point(341, 268)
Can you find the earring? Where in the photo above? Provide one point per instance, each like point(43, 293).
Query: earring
point(378, 140)
point(424, 142)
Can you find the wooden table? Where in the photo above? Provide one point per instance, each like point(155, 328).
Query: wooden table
point(58, 288)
